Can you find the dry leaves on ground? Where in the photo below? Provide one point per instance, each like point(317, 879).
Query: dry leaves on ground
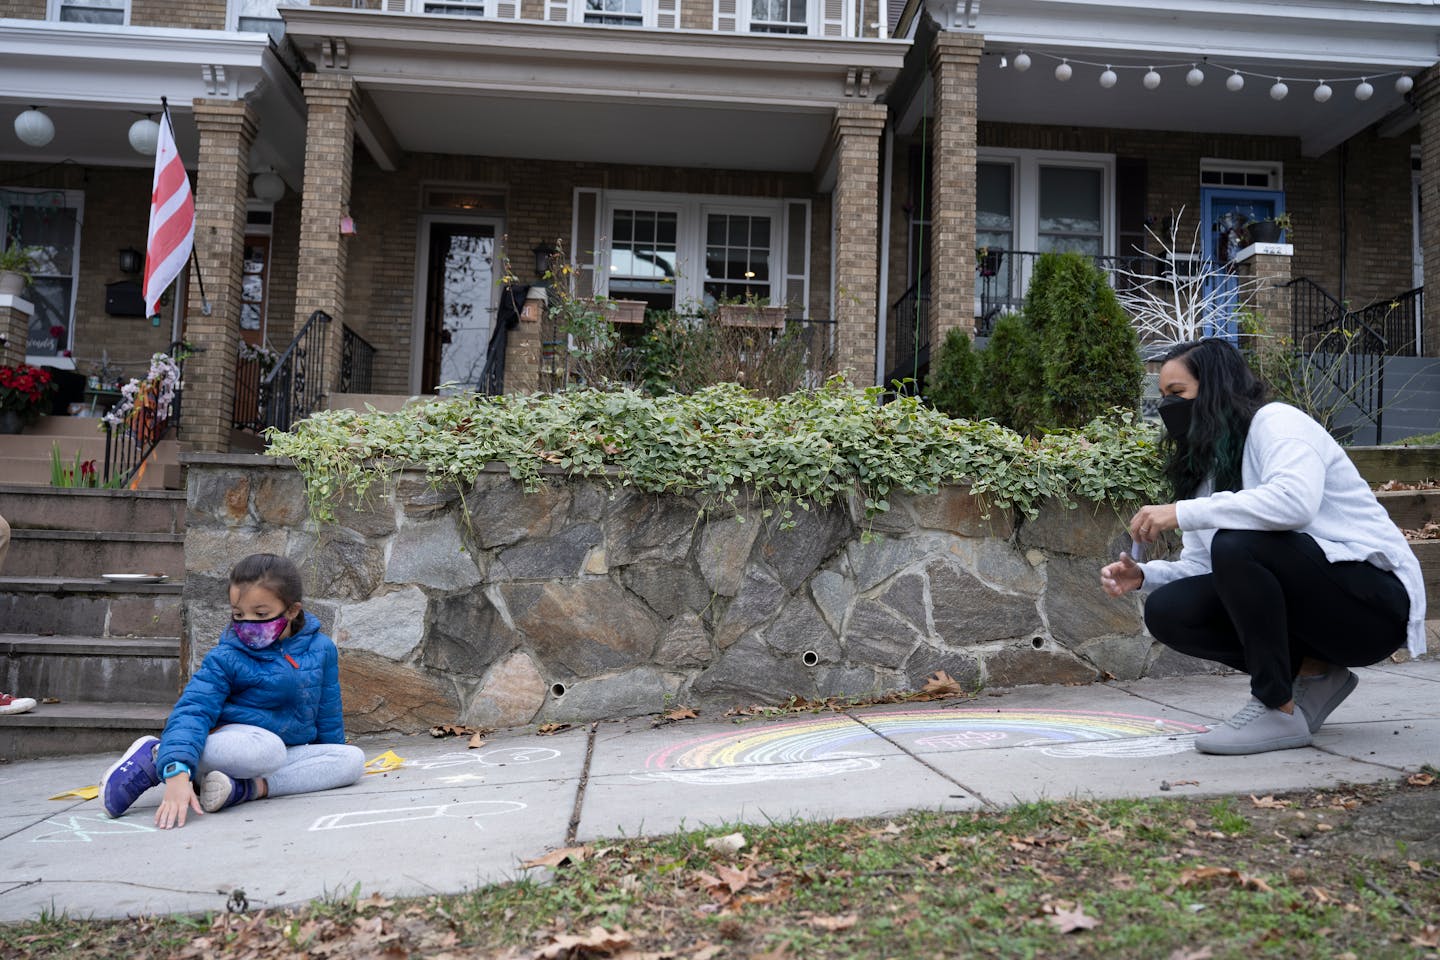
point(833, 924)
point(550, 729)
point(1390, 485)
point(674, 716)
point(1199, 876)
point(599, 942)
point(1268, 802)
point(1430, 531)
point(456, 730)
point(557, 857)
point(1420, 779)
point(1068, 921)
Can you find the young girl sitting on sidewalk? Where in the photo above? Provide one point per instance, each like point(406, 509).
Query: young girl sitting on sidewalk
point(261, 718)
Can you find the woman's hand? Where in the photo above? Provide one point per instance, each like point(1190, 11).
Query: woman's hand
point(179, 799)
point(1122, 576)
point(1149, 522)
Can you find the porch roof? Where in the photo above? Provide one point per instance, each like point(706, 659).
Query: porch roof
point(1304, 42)
point(554, 91)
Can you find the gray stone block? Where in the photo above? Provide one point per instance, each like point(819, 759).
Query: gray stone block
point(433, 553)
point(1021, 663)
point(964, 668)
point(632, 693)
point(833, 595)
point(685, 644)
point(502, 513)
point(799, 628)
point(723, 552)
point(758, 600)
point(875, 635)
point(343, 565)
point(650, 527)
point(582, 628)
point(467, 635)
point(391, 625)
point(1087, 530)
point(1122, 657)
point(797, 553)
point(670, 589)
point(1078, 609)
point(905, 595)
point(750, 672)
point(557, 557)
point(968, 612)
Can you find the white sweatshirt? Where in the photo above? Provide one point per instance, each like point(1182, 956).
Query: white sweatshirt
point(1294, 476)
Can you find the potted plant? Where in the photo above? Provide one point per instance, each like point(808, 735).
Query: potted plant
point(627, 311)
point(750, 313)
point(16, 262)
point(24, 395)
point(987, 261)
point(1269, 230)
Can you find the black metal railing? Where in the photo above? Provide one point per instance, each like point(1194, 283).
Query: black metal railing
point(357, 362)
point(910, 333)
point(1398, 320)
point(1350, 359)
point(294, 387)
point(129, 443)
point(1312, 309)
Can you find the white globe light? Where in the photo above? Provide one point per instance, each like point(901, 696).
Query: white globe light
point(1364, 91)
point(34, 128)
point(1404, 84)
point(144, 135)
point(1151, 80)
point(1235, 83)
point(1022, 61)
point(1063, 71)
point(1323, 92)
point(268, 186)
point(1195, 77)
point(1278, 90)
point(1108, 78)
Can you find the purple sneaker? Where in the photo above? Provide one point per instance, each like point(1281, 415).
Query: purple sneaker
point(220, 790)
point(130, 776)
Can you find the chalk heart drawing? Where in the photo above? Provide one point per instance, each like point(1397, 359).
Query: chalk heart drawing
point(82, 829)
point(463, 810)
point(826, 746)
point(503, 756)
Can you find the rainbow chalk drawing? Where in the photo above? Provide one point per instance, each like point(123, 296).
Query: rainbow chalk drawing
point(840, 744)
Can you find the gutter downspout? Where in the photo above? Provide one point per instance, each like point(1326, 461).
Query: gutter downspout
point(1344, 227)
point(883, 288)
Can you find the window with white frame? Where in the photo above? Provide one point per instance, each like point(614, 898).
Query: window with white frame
point(1241, 173)
point(677, 251)
point(455, 8)
point(49, 221)
point(1044, 201)
point(260, 16)
point(615, 13)
point(780, 16)
point(113, 12)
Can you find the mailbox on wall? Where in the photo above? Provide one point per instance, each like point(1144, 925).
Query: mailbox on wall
point(124, 298)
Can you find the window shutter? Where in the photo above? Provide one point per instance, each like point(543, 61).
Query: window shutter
point(507, 9)
point(585, 244)
point(833, 24)
point(557, 11)
point(726, 15)
point(394, 6)
point(667, 14)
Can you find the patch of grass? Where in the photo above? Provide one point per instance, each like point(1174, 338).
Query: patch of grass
point(1419, 440)
point(1151, 878)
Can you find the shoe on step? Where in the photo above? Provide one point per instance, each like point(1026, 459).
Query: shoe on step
point(220, 790)
point(1256, 729)
point(1318, 696)
point(9, 704)
point(130, 776)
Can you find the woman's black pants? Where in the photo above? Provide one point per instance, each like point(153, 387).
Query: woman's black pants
point(1272, 599)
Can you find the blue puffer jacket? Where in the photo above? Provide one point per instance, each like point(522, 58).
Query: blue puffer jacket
point(291, 688)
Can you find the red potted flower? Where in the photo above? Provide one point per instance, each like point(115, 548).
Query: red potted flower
point(25, 393)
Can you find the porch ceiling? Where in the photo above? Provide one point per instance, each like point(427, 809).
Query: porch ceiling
point(597, 94)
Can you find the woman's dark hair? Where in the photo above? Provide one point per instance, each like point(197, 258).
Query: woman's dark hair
point(1228, 397)
point(276, 574)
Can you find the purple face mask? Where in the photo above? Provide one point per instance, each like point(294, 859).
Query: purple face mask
point(259, 634)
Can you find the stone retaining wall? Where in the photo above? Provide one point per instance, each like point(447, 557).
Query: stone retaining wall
point(581, 602)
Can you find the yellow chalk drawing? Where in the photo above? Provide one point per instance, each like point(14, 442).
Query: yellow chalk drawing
point(384, 763)
point(79, 793)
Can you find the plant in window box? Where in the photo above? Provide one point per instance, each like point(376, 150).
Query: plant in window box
point(626, 311)
point(16, 262)
point(750, 313)
point(24, 395)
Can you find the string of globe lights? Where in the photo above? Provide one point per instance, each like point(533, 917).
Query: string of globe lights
point(1195, 75)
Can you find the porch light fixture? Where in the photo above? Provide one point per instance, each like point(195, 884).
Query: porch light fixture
point(1196, 76)
point(1235, 83)
point(1022, 61)
point(1063, 71)
point(34, 128)
point(1151, 80)
point(1323, 92)
point(1108, 79)
point(1403, 83)
point(1278, 90)
point(1364, 91)
point(267, 186)
point(544, 253)
point(144, 135)
point(130, 260)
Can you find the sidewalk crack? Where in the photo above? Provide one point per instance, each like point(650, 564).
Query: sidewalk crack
point(574, 828)
point(925, 763)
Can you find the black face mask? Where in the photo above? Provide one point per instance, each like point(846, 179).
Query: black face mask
point(1176, 412)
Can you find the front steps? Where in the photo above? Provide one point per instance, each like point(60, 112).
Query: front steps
point(108, 652)
point(26, 457)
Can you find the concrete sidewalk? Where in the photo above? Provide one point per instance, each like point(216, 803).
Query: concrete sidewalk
point(451, 819)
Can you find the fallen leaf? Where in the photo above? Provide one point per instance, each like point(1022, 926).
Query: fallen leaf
point(1429, 937)
point(453, 730)
point(1185, 783)
point(1068, 921)
point(556, 857)
point(1201, 875)
point(681, 713)
point(477, 740)
point(550, 729)
point(598, 941)
point(376, 901)
point(1268, 802)
point(728, 845)
point(941, 684)
point(49, 699)
point(1420, 779)
point(834, 924)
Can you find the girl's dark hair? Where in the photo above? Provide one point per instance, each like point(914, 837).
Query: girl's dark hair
point(1228, 397)
point(276, 574)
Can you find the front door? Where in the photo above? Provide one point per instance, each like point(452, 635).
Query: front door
point(1224, 213)
point(460, 299)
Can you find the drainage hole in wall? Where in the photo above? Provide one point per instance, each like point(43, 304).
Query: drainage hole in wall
point(1038, 643)
point(557, 690)
point(809, 658)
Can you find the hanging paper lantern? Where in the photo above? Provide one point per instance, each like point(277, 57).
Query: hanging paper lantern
point(1151, 80)
point(1063, 71)
point(144, 135)
point(1196, 76)
point(1364, 91)
point(1323, 92)
point(1235, 83)
point(1278, 90)
point(34, 128)
point(1404, 84)
point(1022, 61)
point(1108, 79)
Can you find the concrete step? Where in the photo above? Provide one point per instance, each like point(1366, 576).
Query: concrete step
point(384, 402)
point(75, 727)
point(1429, 553)
point(94, 669)
point(55, 508)
point(77, 553)
point(1408, 464)
point(89, 607)
point(1410, 509)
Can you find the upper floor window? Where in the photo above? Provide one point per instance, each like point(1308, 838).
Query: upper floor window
point(113, 12)
point(779, 16)
point(616, 13)
point(456, 8)
point(261, 16)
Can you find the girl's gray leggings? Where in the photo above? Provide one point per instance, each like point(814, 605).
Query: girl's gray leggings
point(242, 751)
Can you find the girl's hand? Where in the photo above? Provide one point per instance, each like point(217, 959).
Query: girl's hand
point(1122, 576)
point(1147, 524)
point(179, 799)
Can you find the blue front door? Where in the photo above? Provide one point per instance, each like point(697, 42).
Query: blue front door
point(1223, 212)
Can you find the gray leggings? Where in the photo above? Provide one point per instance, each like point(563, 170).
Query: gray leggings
point(242, 751)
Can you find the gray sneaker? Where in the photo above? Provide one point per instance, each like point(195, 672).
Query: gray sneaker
point(1256, 729)
point(1317, 696)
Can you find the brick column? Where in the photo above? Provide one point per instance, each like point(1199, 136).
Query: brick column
point(15, 314)
point(222, 183)
point(856, 206)
point(522, 346)
point(1427, 98)
point(954, 63)
point(1270, 300)
point(332, 103)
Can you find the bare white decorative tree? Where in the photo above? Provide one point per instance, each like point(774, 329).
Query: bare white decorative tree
point(1169, 304)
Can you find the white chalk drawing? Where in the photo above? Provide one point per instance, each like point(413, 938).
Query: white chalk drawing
point(81, 829)
point(961, 740)
point(463, 810)
point(464, 778)
point(833, 765)
point(500, 757)
point(1121, 749)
